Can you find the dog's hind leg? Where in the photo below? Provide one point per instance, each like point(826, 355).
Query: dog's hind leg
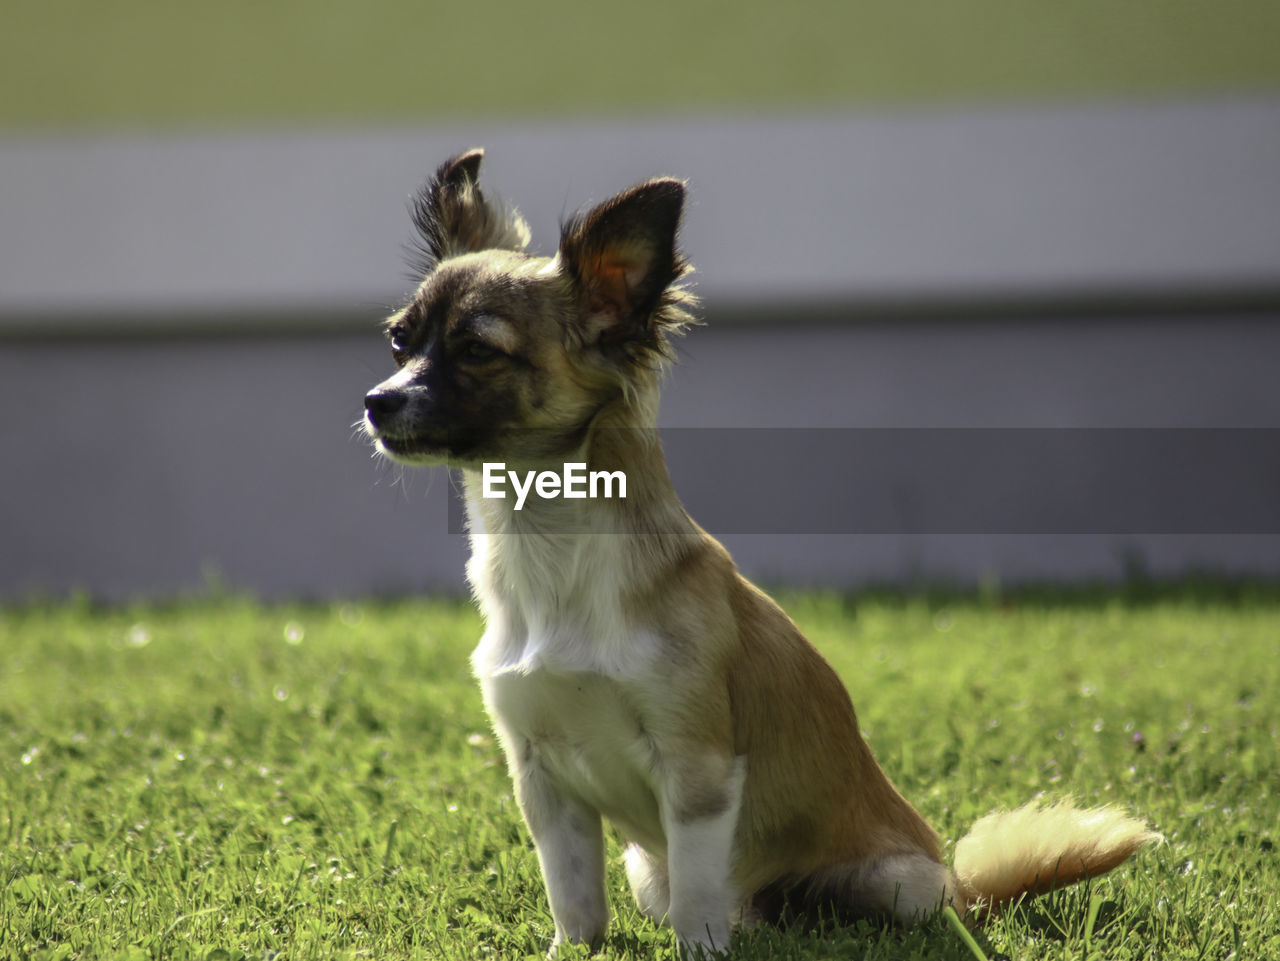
point(906, 887)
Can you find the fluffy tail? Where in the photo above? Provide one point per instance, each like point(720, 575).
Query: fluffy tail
point(1011, 854)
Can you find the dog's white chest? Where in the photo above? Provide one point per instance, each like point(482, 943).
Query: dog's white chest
point(587, 732)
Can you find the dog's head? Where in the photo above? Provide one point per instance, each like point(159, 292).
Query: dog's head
point(504, 355)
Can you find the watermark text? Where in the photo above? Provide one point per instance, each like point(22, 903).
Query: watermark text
point(574, 482)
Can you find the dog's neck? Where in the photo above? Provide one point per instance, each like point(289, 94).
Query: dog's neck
point(555, 555)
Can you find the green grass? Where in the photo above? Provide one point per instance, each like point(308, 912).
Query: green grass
point(141, 64)
point(220, 779)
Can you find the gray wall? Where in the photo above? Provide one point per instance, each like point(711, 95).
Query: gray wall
point(148, 466)
point(1136, 200)
point(187, 327)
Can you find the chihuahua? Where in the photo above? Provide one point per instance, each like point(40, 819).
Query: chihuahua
point(630, 672)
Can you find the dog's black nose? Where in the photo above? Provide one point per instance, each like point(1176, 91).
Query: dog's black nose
point(381, 403)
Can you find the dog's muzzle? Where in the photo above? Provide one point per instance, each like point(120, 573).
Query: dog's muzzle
point(382, 404)
point(397, 427)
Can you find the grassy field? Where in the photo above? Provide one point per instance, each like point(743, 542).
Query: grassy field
point(224, 780)
point(141, 64)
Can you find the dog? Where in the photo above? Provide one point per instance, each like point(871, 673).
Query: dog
point(630, 672)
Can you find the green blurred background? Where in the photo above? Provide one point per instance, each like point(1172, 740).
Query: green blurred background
point(147, 64)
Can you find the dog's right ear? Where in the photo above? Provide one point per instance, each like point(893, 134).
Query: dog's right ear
point(454, 217)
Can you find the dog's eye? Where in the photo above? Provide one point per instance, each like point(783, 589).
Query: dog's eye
point(477, 350)
point(399, 337)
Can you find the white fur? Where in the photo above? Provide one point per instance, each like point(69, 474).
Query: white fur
point(699, 861)
point(550, 605)
point(647, 876)
point(582, 732)
point(566, 678)
point(570, 844)
point(909, 887)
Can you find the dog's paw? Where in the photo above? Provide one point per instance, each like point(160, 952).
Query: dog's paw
point(707, 942)
point(589, 935)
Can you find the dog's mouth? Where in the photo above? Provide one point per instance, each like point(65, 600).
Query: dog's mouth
point(423, 449)
point(461, 447)
point(412, 450)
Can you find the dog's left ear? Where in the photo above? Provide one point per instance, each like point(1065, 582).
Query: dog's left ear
point(453, 216)
point(622, 258)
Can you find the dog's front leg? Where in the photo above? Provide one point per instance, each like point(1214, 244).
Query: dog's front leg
point(569, 839)
point(700, 814)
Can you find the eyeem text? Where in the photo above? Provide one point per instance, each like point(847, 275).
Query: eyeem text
point(574, 482)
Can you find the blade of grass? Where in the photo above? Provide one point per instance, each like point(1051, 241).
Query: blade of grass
point(1095, 904)
point(958, 926)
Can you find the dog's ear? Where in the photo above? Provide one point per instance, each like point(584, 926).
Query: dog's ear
point(453, 216)
point(622, 258)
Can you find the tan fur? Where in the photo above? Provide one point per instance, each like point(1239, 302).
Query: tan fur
point(631, 672)
point(1011, 854)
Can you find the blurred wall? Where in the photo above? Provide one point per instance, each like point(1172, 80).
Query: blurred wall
point(992, 216)
point(182, 394)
